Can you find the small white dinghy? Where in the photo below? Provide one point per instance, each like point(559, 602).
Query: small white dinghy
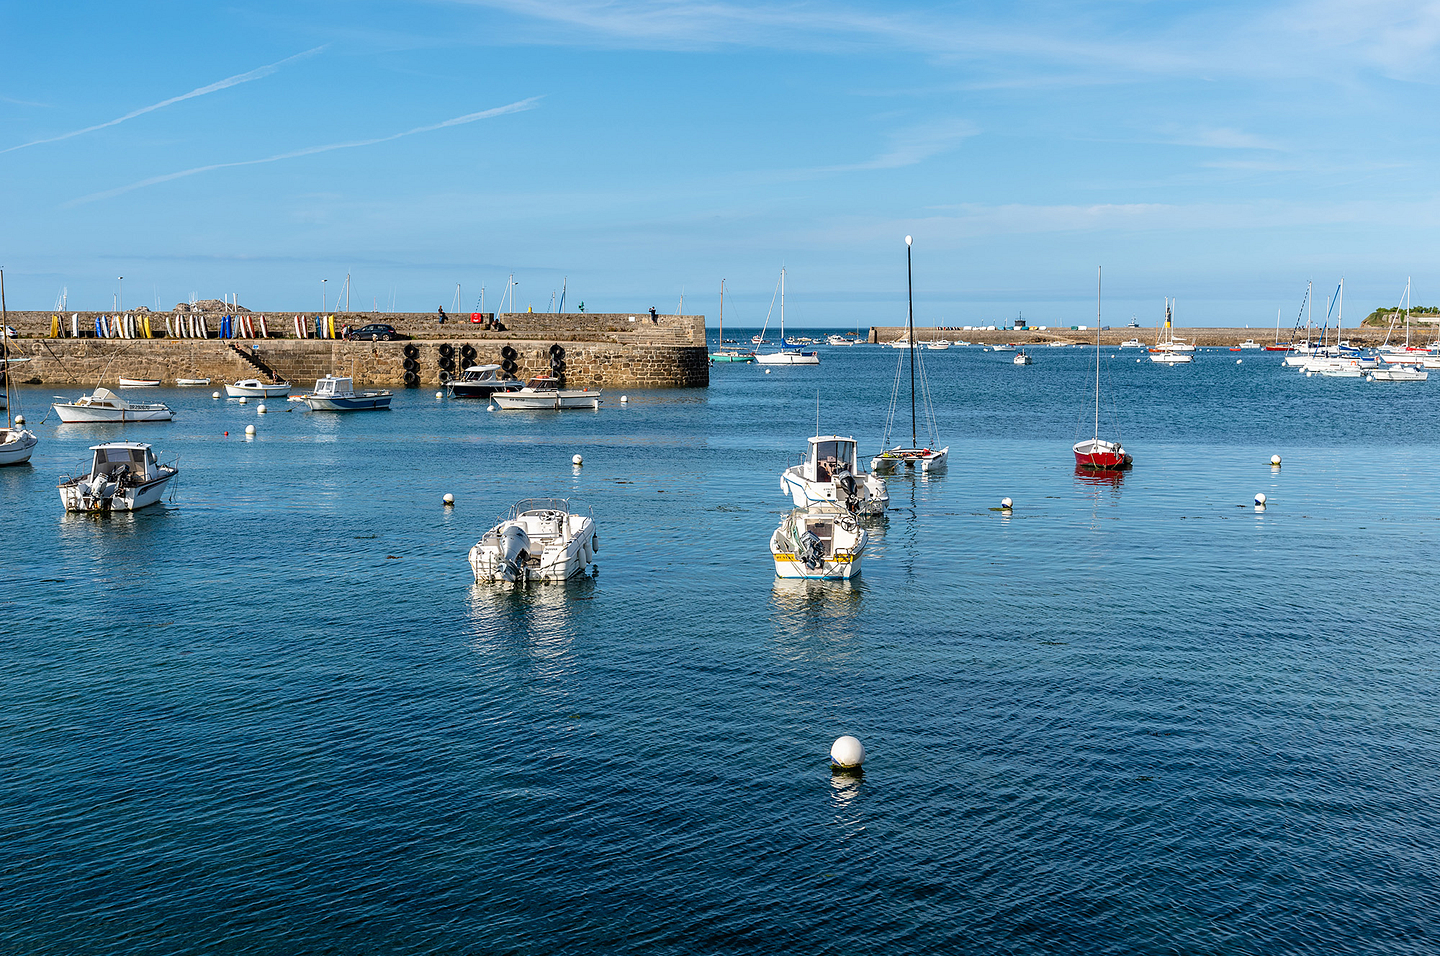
point(123, 476)
point(824, 542)
point(139, 382)
point(191, 382)
point(254, 388)
point(831, 474)
point(540, 539)
point(104, 405)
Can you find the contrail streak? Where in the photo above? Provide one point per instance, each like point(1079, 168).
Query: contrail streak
point(517, 107)
point(213, 87)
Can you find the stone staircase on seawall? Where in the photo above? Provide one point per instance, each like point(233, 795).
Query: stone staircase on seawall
point(248, 354)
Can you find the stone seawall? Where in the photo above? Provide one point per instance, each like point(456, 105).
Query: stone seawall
point(86, 362)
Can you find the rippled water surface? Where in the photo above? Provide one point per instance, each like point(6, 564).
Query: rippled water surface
point(1134, 716)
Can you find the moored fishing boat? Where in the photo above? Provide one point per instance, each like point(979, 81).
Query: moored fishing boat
point(480, 381)
point(830, 474)
point(822, 542)
point(103, 405)
point(545, 392)
point(540, 539)
point(1022, 357)
point(139, 382)
point(191, 382)
point(123, 476)
point(254, 388)
point(337, 394)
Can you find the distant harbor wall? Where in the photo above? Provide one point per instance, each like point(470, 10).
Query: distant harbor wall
point(601, 350)
point(1115, 335)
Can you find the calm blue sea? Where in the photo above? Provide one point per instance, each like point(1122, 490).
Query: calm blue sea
point(1135, 716)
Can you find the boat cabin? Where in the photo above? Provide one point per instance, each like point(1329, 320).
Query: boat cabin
point(332, 387)
point(830, 455)
point(481, 373)
point(118, 461)
point(543, 383)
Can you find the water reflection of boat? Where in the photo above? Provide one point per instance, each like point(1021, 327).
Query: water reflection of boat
point(1100, 476)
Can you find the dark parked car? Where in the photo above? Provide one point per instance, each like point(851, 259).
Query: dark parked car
point(374, 333)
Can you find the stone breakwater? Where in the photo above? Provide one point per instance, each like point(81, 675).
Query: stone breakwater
point(600, 351)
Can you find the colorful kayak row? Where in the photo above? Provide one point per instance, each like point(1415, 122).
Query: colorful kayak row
point(317, 327)
point(180, 326)
point(106, 327)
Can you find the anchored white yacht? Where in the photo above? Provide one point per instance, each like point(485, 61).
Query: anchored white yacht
point(103, 405)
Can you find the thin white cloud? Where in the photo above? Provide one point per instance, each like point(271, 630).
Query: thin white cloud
point(516, 107)
point(224, 84)
point(1222, 138)
point(915, 145)
point(14, 102)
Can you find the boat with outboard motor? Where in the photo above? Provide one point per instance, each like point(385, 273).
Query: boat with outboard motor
point(824, 541)
point(254, 388)
point(546, 393)
point(123, 476)
point(540, 539)
point(1022, 357)
point(480, 381)
point(928, 459)
point(337, 394)
point(103, 405)
point(831, 474)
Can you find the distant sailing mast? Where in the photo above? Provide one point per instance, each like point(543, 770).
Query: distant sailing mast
point(1095, 453)
point(927, 459)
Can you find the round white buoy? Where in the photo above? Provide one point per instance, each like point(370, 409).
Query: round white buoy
point(449, 500)
point(244, 400)
point(439, 395)
point(19, 419)
point(214, 394)
point(1006, 504)
point(261, 409)
point(249, 429)
point(1137, 361)
point(1260, 500)
point(624, 399)
point(577, 460)
point(847, 753)
point(489, 408)
point(1275, 461)
point(767, 371)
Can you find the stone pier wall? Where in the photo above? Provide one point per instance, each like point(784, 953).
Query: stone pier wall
point(86, 362)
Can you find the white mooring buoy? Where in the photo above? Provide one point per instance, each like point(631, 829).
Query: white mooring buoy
point(624, 399)
point(249, 430)
point(1238, 361)
point(489, 408)
point(847, 753)
point(1274, 461)
point(1260, 500)
point(1006, 504)
point(439, 395)
point(577, 460)
point(261, 409)
point(244, 401)
point(19, 419)
point(449, 500)
point(767, 371)
point(214, 394)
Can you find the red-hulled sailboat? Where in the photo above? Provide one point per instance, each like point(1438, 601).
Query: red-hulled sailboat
point(1096, 453)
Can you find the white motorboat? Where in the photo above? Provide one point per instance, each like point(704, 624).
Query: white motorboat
point(1250, 344)
point(540, 539)
point(254, 388)
point(1005, 347)
point(123, 476)
point(901, 343)
point(831, 474)
point(930, 458)
point(139, 382)
point(334, 394)
point(191, 382)
point(824, 541)
point(480, 381)
point(1132, 344)
point(545, 393)
point(839, 340)
point(1022, 358)
point(789, 353)
point(103, 405)
point(1171, 358)
point(1397, 373)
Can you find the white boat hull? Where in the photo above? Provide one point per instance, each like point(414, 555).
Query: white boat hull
point(16, 445)
point(256, 389)
point(88, 496)
point(823, 543)
point(542, 400)
point(787, 358)
point(80, 414)
point(359, 402)
point(1171, 358)
point(1402, 374)
point(925, 460)
point(871, 495)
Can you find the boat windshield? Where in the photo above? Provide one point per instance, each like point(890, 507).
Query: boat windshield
point(563, 505)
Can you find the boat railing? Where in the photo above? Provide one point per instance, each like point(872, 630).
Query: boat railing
point(564, 505)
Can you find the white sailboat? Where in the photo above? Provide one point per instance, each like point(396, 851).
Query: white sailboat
point(787, 355)
point(16, 443)
point(1168, 349)
point(928, 458)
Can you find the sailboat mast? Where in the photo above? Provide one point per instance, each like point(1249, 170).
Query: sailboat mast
point(910, 333)
point(5, 348)
point(722, 313)
point(1099, 280)
point(782, 307)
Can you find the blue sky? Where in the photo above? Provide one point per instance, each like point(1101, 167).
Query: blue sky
point(1219, 153)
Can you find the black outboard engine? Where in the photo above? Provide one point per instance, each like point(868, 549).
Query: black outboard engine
point(812, 552)
point(850, 489)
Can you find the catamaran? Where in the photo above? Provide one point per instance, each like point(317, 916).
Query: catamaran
point(927, 458)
